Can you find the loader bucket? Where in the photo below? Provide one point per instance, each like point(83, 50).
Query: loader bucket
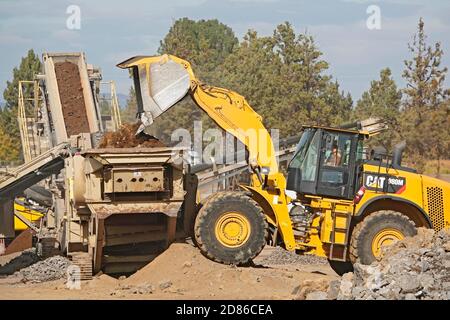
point(159, 82)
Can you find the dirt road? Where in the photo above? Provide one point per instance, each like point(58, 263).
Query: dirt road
point(182, 272)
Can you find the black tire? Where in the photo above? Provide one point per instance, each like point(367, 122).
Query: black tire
point(366, 230)
point(212, 211)
point(341, 267)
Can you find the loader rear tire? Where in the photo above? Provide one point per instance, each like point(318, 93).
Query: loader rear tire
point(231, 228)
point(377, 229)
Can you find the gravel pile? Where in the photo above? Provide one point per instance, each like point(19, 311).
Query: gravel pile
point(25, 259)
point(415, 268)
point(282, 256)
point(53, 268)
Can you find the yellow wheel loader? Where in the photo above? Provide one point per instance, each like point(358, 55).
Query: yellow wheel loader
point(335, 203)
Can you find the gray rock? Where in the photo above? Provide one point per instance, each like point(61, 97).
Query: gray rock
point(390, 293)
point(333, 290)
point(282, 256)
point(446, 264)
point(358, 292)
point(423, 251)
point(345, 289)
point(446, 286)
point(316, 295)
point(424, 266)
point(416, 268)
point(143, 289)
point(410, 296)
point(50, 269)
point(408, 284)
point(426, 280)
point(165, 284)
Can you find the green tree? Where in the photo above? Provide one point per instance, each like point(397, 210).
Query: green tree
point(425, 116)
point(284, 78)
point(341, 103)
point(205, 44)
point(382, 100)
point(254, 71)
point(128, 114)
point(8, 147)
point(29, 66)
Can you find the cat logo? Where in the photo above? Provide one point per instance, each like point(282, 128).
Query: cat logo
point(374, 182)
point(384, 183)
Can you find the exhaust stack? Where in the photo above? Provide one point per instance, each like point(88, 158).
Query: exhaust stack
point(398, 153)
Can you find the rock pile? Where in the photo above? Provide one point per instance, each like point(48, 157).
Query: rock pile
point(281, 256)
point(411, 269)
point(53, 268)
point(25, 259)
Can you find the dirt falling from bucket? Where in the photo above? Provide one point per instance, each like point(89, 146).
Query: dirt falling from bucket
point(126, 137)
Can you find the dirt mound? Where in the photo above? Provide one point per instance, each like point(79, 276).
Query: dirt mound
point(183, 271)
point(102, 281)
point(72, 99)
point(414, 268)
point(175, 264)
point(126, 137)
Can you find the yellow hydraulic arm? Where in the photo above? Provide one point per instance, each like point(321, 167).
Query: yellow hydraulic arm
point(162, 81)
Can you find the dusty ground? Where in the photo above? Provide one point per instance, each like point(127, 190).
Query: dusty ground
point(183, 273)
point(72, 99)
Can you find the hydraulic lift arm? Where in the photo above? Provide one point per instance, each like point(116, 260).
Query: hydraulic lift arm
point(162, 81)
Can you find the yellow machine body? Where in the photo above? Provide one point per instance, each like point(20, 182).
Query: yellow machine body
point(425, 200)
point(164, 80)
point(30, 214)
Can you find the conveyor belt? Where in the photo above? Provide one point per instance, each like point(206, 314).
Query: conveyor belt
point(30, 173)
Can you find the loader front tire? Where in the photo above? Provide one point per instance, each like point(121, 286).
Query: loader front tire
point(231, 228)
point(376, 230)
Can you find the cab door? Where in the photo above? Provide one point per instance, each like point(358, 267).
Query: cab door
point(337, 165)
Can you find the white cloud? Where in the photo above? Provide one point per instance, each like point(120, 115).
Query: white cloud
point(11, 39)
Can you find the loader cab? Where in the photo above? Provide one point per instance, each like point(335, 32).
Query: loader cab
point(326, 163)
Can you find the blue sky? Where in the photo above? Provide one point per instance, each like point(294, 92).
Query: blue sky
point(112, 31)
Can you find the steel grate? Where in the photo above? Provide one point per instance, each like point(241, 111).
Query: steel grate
point(436, 207)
